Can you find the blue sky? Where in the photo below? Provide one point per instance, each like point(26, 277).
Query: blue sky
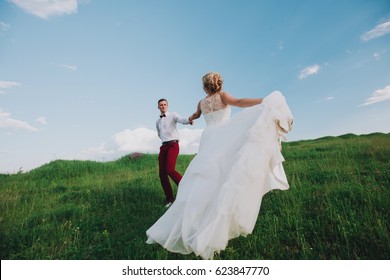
point(80, 79)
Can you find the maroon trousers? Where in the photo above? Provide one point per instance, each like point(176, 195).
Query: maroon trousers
point(167, 168)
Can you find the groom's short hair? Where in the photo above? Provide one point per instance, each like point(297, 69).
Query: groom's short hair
point(162, 99)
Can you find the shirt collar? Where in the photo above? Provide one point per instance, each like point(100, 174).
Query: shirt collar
point(166, 114)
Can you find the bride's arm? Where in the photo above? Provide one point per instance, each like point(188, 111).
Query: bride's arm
point(239, 102)
point(197, 114)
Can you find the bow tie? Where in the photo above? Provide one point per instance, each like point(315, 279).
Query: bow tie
point(163, 115)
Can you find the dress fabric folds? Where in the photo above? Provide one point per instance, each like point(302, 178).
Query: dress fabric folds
point(219, 197)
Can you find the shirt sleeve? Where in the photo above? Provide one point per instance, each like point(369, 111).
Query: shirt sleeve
point(181, 120)
point(158, 129)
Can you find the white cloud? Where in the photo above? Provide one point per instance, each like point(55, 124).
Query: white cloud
point(378, 31)
point(69, 67)
point(326, 99)
point(102, 152)
point(6, 121)
point(137, 140)
point(47, 8)
point(378, 96)
point(8, 84)
point(376, 56)
point(141, 140)
point(280, 46)
point(4, 26)
point(146, 140)
point(189, 140)
point(308, 71)
point(42, 120)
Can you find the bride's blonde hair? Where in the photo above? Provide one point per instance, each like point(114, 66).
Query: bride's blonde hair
point(212, 82)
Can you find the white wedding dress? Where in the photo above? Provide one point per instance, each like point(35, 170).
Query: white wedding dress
point(219, 196)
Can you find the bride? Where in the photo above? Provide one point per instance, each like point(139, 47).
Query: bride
point(239, 160)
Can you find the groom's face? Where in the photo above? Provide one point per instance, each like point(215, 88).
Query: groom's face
point(163, 106)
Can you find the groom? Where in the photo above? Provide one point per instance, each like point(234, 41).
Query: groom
point(169, 150)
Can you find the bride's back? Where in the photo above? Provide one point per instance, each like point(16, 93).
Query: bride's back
point(214, 110)
point(212, 103)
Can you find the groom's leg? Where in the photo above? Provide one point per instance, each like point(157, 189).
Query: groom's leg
point(173, 152)
point(164, 179)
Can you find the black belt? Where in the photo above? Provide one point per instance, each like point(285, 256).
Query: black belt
point(169, 142)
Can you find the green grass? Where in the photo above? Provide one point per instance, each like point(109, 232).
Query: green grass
point(337, 207)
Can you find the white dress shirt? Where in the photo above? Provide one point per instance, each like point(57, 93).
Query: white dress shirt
point(166, 126)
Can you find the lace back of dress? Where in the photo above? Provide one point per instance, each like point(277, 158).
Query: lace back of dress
point(212, 104)
point(214, 111)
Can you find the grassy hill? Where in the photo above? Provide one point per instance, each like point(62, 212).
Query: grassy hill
point(338, 207)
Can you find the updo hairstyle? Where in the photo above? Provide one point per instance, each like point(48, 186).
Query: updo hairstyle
point(212, 82)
